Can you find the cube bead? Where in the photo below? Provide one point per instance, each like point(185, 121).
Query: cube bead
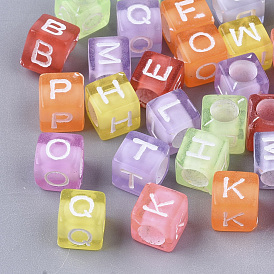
point(235, 197)
point(200, 155)
point(164, 118)
point(140, 159)
point(140, 21)
point(156, 74)
point(241, 75)
point(159, 217)
point(61, 102)
point(107, 56)
point(264, 158)
point(225, 116)
point(112, 106)
point(88, 15)
point(200, 49)
point(81, 219)
point(48, 44)
point(247, 35)
point(234, 9)
point(260, 116)
point(178, 16)
point(59, 161)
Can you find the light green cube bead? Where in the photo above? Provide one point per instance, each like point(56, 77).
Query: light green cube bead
point(88, 15)
point(200, 155)
point(225, 116)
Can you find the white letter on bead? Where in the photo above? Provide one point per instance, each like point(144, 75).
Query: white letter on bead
point(51, 142)
point(226, 189)
point(156, 210)
point(86, 212)
point(52, 24)
point(47, 54)
point(269, 148)
point(200, 152)
point(199, 76)
point(114, 123)
point(211, 39)
point(117, 89)
point(232, 218)
point(56, 172)
point(53, 90)
point(156, 70)
point(145, 19)
point(54, 119)
point(109, 59)
point(144, 146)
point(162, 109)
point(131, 178)
point(85, 242)
point(182, 12)
point(239, 41)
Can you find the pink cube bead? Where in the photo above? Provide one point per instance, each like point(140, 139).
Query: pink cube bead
point(59, 161)
point(159, 217)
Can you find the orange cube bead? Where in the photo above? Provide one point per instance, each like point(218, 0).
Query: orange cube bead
point(61, 102)
point(200, 49)
point(235, 198)
point(178, 16)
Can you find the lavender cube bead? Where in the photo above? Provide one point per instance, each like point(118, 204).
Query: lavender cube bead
point(264, 158)
point(140, 159)
point(229, 10)
point(242, 75)
point(59, 161)
point(140, 21)
point(169, 116)
point(108, 56)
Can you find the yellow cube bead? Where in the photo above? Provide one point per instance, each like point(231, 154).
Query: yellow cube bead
point(81, 219)
point(248, 35)
point(112, 106)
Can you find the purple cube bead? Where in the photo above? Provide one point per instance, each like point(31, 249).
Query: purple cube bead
point(108, 56)
point(140, 21)
point(140, 159)
point(241, 75)
point(59, 161)
point(264, 158)
point(169, 116)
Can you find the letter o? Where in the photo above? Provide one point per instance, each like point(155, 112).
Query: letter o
point(211, 39)
point(201, 67)
point(51, 142)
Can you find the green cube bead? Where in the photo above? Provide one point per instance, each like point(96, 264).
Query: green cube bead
point(226, 116)
point(200, 155)
point(88, 15)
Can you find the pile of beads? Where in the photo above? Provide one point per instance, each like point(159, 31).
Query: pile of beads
point(234, 56)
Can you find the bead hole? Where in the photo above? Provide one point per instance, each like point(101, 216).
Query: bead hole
point(194, 178)
point(224, 110)
point(177, 141)
point(151, 235)
point(265, 109)
point(267, 178)
point(243, 71)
